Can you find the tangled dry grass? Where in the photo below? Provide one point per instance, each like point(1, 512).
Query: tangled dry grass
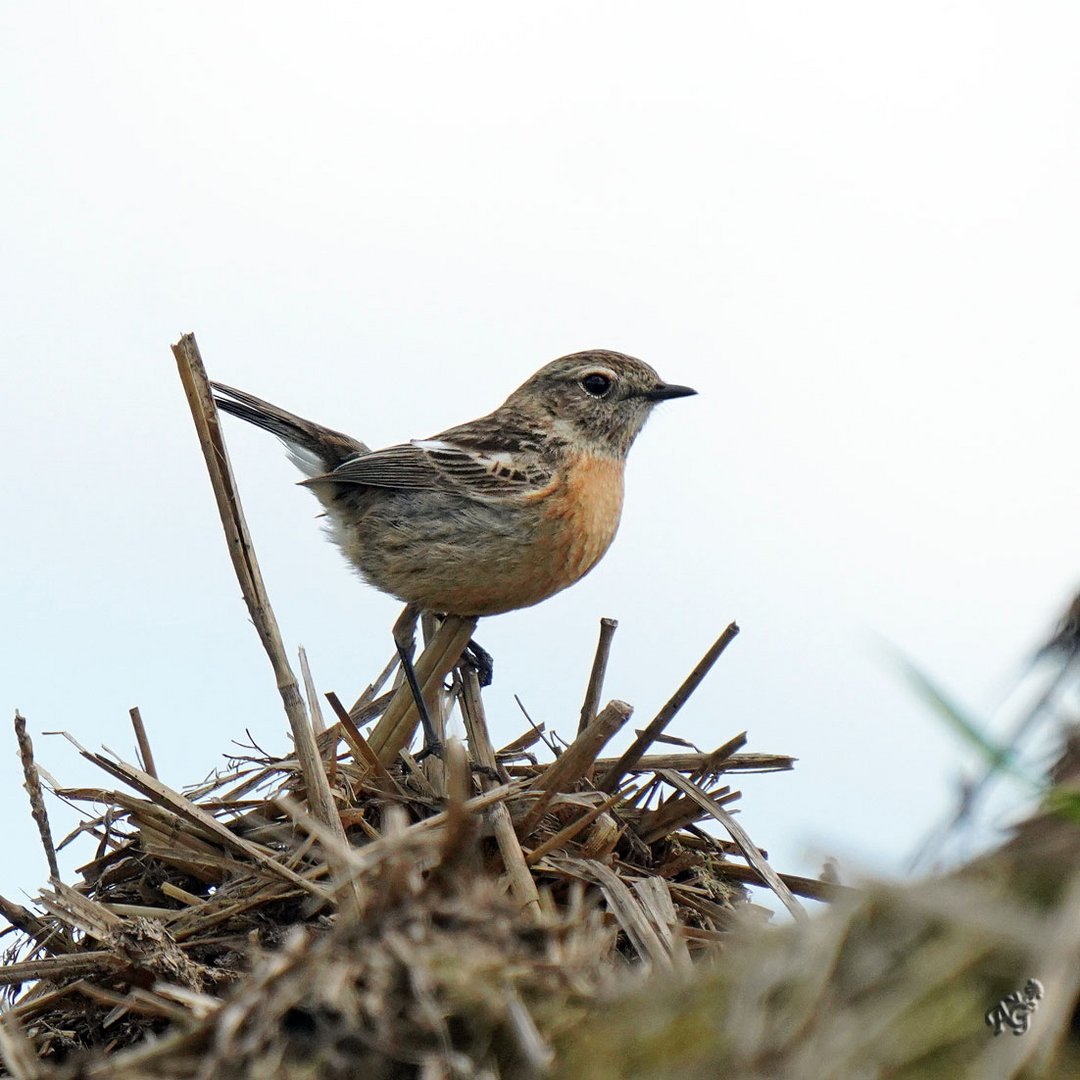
point(460, 911)
point(539, 910)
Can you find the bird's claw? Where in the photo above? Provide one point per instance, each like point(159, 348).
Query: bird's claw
point(481, 661)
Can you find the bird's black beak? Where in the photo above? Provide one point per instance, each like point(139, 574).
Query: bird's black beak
point(667, 390)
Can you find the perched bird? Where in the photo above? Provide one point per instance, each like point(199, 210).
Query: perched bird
point(495, 514)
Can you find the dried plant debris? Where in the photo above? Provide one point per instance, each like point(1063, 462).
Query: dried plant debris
point(974, 975)
point(356, 908)
point(465, 911)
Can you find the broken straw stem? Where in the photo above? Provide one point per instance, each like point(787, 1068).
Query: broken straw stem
point(207, 424)
point(596, 676)
point(614, 776)
point(144, 743)
point(33, 789)
point(576, 760)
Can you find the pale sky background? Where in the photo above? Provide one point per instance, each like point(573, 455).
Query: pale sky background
point(853, 227)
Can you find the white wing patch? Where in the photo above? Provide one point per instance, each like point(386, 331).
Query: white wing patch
point(307, 461)
point(435, 444)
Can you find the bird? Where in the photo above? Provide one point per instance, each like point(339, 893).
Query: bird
point(489, 516)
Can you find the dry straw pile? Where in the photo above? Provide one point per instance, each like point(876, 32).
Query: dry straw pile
point(345, 910)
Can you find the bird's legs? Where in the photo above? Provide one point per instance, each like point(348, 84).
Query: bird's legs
point(405, 642)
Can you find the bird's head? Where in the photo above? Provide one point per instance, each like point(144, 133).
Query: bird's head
point(597, 400)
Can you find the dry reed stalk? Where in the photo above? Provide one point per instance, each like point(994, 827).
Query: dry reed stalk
point(145, 754)
point(522, 886)
point(54, 967)
point(207, 424)
point(80, 912)
point(32, 926)
point(477, 733)
point(576, 759)
point(522, 743)
point(32, 784)
point(176, 803)
point(460, 830)
point(614, 776)
point(573, 762)
point(368, 695)
point(677, 813)
point(361, 750)
point(811, 888)
point(318, 725)
point(654, 895)
point(359, 714)
point(737, 833)
point(176, 893)
point(564, 836)
point(596, 675)
point(340, 863)
point(625, 907)
point(712, 765)
point(705, 764)
point(36, 1000)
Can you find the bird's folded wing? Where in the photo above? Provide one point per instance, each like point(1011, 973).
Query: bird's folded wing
point(438, 465)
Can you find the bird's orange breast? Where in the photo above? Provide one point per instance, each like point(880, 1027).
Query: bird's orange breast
point(530, 549)
point(570, 525)
point(583, 513)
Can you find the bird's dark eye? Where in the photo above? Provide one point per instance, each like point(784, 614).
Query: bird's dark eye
point(596, 384)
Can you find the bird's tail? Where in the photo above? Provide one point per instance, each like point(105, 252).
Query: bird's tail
point(315, 450)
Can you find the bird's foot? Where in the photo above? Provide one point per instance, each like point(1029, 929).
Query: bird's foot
point(430, 748)
point(480, 660)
